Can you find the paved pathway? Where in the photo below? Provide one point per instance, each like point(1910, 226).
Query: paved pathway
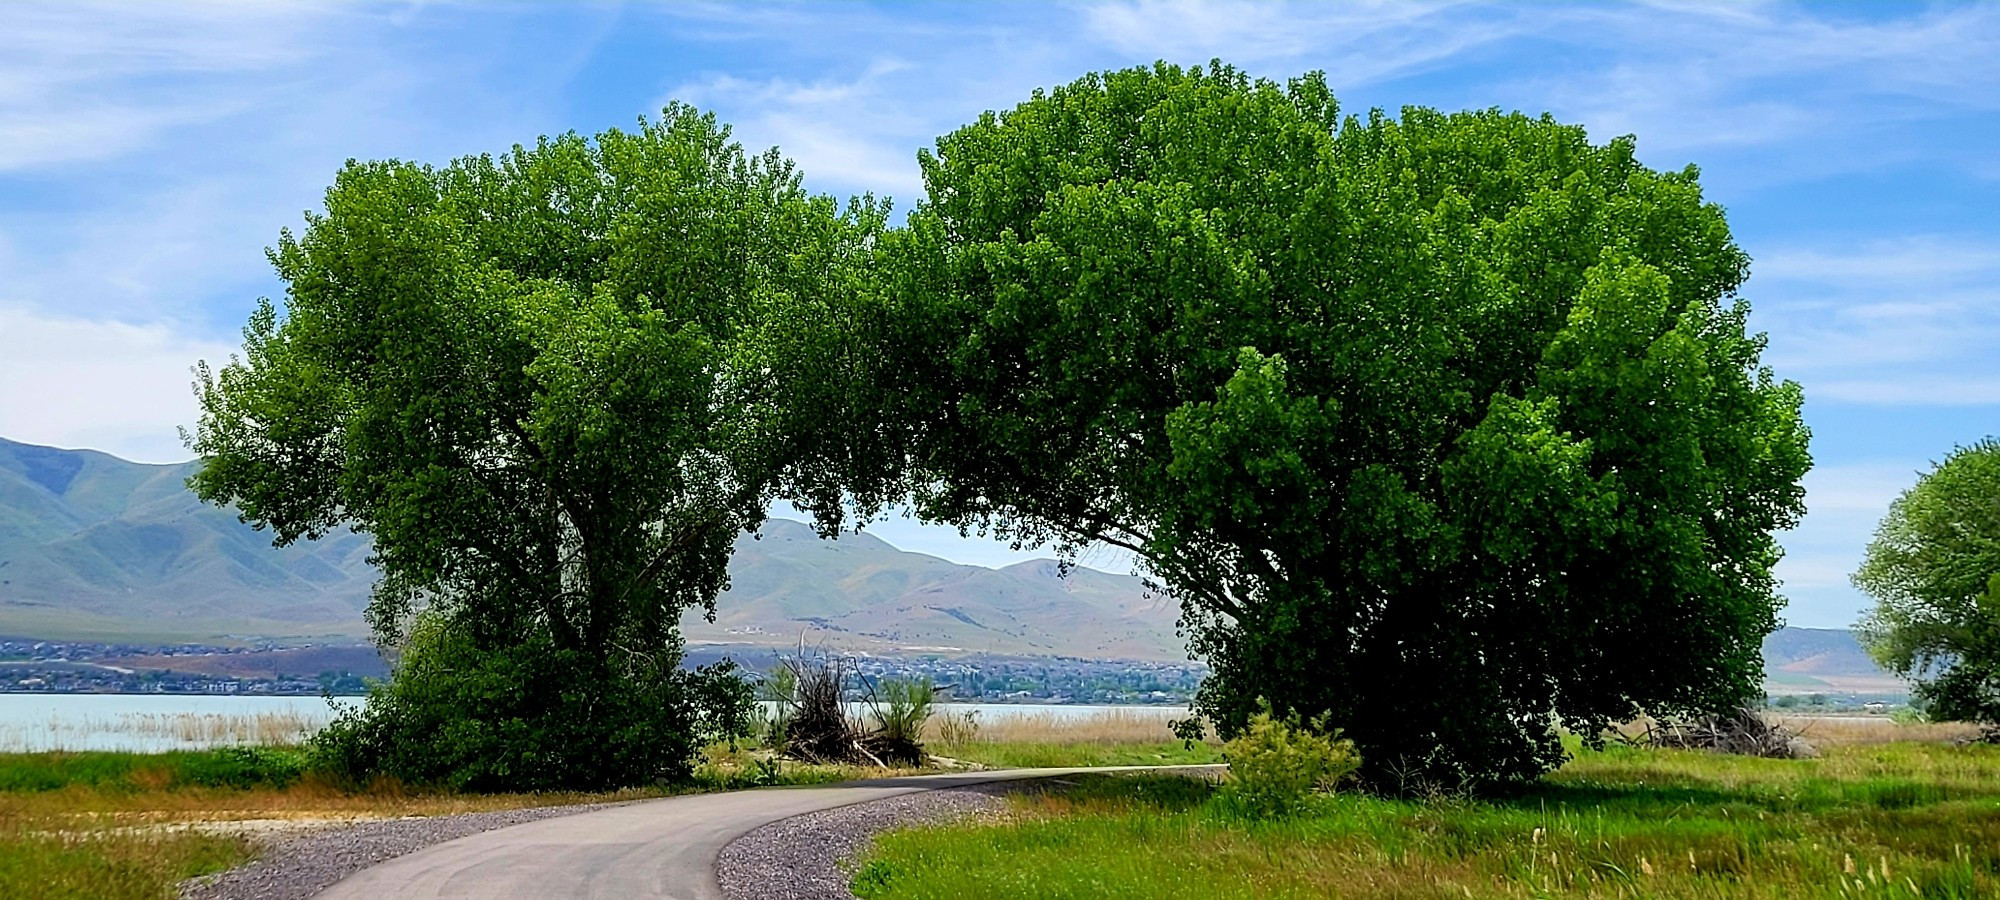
point(652, 849)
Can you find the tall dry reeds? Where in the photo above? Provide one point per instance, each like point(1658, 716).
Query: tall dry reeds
point(1825, 731)
point(162, 731)
point(1138, 725)
point(1837, 730)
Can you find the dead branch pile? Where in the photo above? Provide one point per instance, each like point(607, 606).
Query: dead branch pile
point(813, 723)
point(1743, 732)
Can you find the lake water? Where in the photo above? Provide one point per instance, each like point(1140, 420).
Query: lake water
point(156, 722)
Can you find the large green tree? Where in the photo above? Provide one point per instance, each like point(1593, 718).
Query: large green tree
point(546, 385)
point(1446, 426)
point(1934, 571)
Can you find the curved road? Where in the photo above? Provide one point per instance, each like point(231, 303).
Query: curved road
point(662, 848)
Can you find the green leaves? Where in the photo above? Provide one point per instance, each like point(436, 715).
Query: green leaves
point(1447, 425)
point(1439, 423)
point(539, 383)
point(1934, 571)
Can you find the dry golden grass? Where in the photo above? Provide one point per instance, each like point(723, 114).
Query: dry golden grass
point(1138, 725)
point(1134, 736)
point(83, 805)
point(1843, 730)
point(1840, 731)
point(283, 728)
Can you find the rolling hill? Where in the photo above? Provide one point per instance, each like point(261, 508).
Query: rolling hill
point(93, 547)
point(860, 593)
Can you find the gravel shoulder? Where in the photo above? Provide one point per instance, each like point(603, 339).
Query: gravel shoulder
point(810, 857)
point(298, 863)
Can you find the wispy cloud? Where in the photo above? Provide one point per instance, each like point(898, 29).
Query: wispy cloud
point(1844, 502)
point(849, 133)
point(91, 81)
point(1898, 321)
point(1826, 92)
point(1355, 43)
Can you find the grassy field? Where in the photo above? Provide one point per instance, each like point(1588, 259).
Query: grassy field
point(1870, 818)
point(1880, 815)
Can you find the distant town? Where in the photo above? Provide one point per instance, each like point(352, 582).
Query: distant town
point(28, 665)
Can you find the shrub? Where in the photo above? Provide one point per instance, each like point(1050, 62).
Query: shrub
point(904, 705)
point(1275, 764)
point(530, 717)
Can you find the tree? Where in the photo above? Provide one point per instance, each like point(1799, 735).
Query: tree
point(1934, 571)
point(543, 385)
point(1444, 426)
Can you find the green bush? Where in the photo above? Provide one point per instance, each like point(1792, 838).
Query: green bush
point(1275, 764)
point(530, 716)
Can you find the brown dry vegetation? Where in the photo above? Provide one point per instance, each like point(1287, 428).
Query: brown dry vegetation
point(280, 728)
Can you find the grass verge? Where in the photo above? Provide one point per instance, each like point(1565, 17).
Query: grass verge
point(1882, 820)
point(124, 826)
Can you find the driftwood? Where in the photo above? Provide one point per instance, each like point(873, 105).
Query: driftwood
point(1743, 732)
point(813, 724)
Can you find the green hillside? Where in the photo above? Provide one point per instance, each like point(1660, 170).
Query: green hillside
point(860, 593)
point(93, 547)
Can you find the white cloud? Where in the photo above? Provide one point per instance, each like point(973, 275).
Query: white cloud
point(1844, 502)
point(1866, 488)
point(1928, 259)
point(115, 386)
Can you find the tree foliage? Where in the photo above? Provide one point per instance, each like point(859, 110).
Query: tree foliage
point(545, 385)
point(1934, 571)
point(1446, 426)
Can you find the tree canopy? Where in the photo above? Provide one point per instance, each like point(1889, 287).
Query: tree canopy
point(1445, 429)
point(543, 384)
point(1445, 426)
point(1934, 571)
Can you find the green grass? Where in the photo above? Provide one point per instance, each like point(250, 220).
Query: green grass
point(1891, 820)
point(243, 768)
point(38, 865)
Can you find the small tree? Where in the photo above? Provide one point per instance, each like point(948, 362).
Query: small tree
point(1934, 571)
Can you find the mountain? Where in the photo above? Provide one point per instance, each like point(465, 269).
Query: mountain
point(860, 593)
point(94, 547)
point(1819, 660)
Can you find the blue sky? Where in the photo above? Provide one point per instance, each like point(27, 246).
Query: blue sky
point(150, 152)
